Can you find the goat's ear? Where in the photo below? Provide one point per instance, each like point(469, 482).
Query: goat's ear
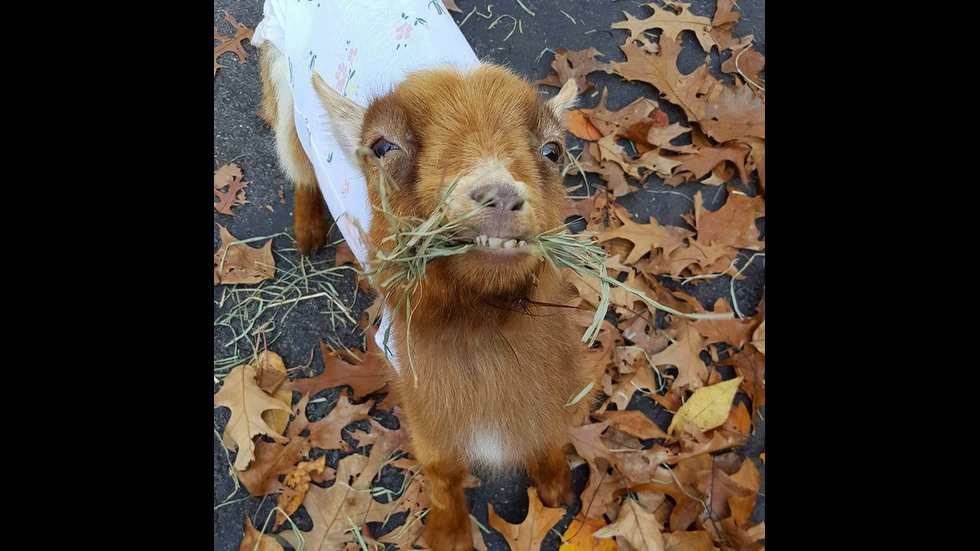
point(565, 99)
point(346, 117)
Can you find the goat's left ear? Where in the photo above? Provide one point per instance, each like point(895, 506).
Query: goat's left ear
point(346, 118)
point(565, 99)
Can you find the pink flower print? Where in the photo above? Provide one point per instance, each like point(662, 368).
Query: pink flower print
point(403, 31)
point(341, 75)
point(346, 188)
point(351, 55)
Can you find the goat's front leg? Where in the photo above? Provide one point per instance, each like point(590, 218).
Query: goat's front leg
point(309, 222)
point(550, 474)
point(447, 524)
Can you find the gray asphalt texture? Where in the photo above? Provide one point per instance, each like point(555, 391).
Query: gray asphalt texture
point(240, 136)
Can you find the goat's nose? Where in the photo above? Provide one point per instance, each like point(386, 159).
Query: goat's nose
point(498, 196)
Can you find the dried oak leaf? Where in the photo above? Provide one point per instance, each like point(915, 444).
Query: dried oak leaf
point(742, 506)
point(451, 6)
point(231, 44)
point(327, 432)
point(633, 422)
point(578, 124)
point(239, 263)
point(229, 175)
point(636, 526)
point(343, 255)
point(759, 338)
point(671, 23)
point(684, 354)
point(724, 112)
point(365, 375)
point(528, 535)
point(591, 161)
point(646, 238)
point(257, 541)
point(575, 65)
point(247, 403)
point(271, 378)
point(699, 540)
point(295, 485)
point(588, 443)
point(601, 495)
point(579, 536)
point(694, 166)
point(735, 332)
point(750, 364)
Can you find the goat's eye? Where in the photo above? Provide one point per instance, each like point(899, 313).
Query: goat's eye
point(552, 151)
point(382, 146)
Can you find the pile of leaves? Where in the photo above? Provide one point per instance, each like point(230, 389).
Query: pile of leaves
point(673, 479)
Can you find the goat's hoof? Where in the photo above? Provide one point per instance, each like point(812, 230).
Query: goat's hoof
point(311, 236)
point(449, 534)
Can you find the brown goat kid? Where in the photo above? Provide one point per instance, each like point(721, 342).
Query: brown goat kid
point(496, 360)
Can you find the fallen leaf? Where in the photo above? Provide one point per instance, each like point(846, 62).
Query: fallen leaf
point(646, 237)
point(688, 541)
point(257, 541)
point(239, 263)
point(327, 432)
point(365, 375)
point(724, 112)
point(574, 65)
point(732, 331)
point(587, 442)
point(270, 378)
point(295, 486)
point(733, 225)
point(451, 6)
point(750, 365)
point(742, 506)
point(762, 457)
point(672, 21)
point(602, 494)
point(577, 122)
point(708, 407)
point(759, 337)
point(580, 536)
point(247, 403)
point(529, 534)
point(685, 355)
point(231, 44)
point(636, 526)
point(343, 255)
point(229, 175)
point(633, 422)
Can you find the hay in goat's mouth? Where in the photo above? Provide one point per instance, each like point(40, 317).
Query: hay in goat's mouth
point(416, 242)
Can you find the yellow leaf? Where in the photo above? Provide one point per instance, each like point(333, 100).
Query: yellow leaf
point(579, 536)
point(708, 407)
point(762, 456)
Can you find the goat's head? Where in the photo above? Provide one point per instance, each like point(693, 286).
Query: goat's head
point(484, 137)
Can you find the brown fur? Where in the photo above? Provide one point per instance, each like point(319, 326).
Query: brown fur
point(490, 356)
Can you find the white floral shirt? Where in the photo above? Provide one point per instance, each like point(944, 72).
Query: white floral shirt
point(363, 49)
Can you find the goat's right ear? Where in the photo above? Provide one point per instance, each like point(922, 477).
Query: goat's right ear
point(346, 117)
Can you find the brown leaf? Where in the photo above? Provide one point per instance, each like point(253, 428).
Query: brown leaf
point(601, 495)
point(271, 376)
point(257, 541)
point(591, 161)
point(689, 541)
point(343, 255)
point(247, 403)
point(742, 506)
point(646, 237)
point(239, 263)
point(529, 534)
point(684, 354)
point(759, 337)
point(231, 44)
point(633, 422)
point(750, 364)
point(326, 433)
point(295, 486)
point(574, 65)
point(694, 166)
point(636, 526)
point(587, 442)
point(732, 331)
point(229, 175)
point(724, 112)
point(577, 122)
point(451, 6)
point(671, 23)
point(365, 375)
point(579, 536)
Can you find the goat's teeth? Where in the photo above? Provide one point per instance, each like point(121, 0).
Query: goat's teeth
point(481, 240)
point(521, 243)
point(510, 244)
point(494, 242)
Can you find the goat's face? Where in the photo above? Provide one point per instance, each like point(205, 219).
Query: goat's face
point(486, 142)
